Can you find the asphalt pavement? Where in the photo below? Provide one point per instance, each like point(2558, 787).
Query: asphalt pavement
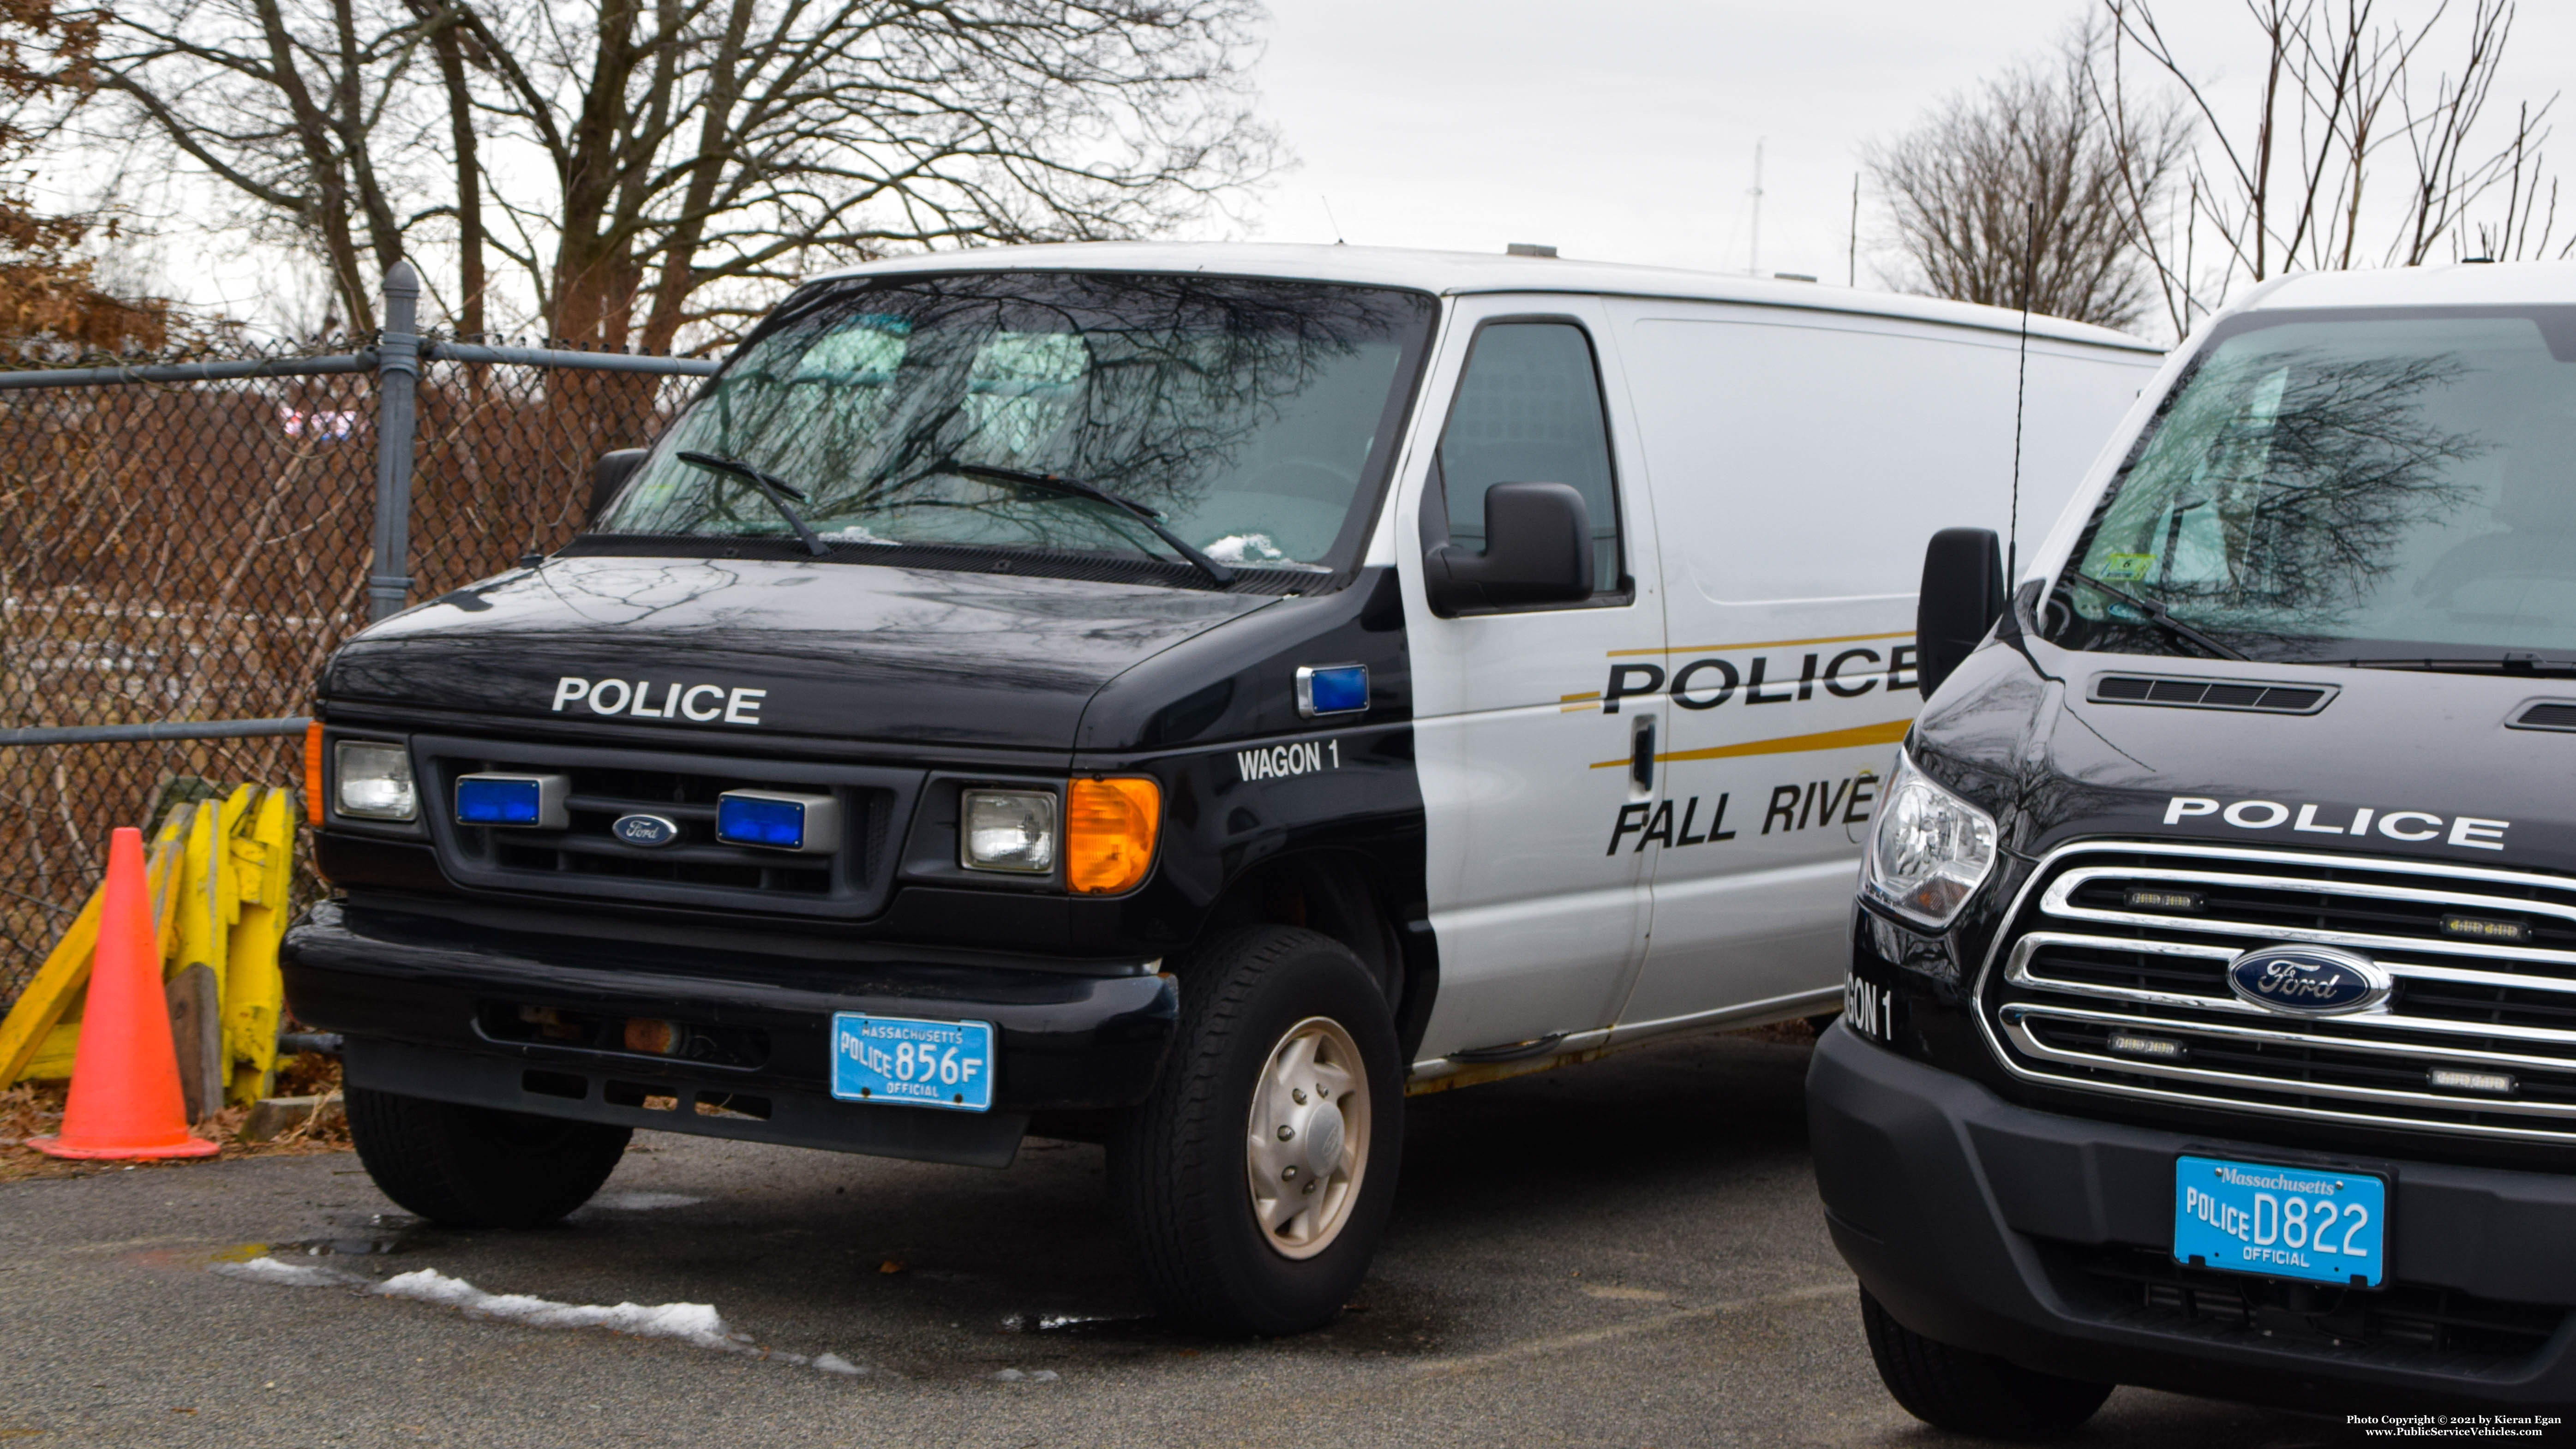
point(1627, 1253)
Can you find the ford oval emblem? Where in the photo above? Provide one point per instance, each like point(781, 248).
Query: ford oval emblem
point(649, 831)
point(2309, 980)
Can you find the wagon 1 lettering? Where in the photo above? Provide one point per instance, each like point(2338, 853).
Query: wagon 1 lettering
point(1280, 762)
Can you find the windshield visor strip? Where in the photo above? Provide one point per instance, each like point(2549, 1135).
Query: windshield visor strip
point(1189, 426)
point(2389, 486)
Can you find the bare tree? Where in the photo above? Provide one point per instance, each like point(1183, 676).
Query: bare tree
point(49, 287)
point(646, 165)
point(2301, 182)
point(2024, 193)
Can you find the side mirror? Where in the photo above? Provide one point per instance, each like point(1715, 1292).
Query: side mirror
point(1963, 596)
point(607, 476)
point(1538, 550)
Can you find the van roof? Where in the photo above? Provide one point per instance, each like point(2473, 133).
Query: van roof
point(1464, 273)
point(2456, 284)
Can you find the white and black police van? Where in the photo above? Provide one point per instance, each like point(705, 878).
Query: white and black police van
point(1183, 697)
point(2213, 985)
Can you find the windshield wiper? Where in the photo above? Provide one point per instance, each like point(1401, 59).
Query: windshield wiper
point(2158, 615)
point(1216, 572)
point(775, 489)
point(2521, 664)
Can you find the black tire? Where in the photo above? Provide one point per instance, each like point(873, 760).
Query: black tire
point(480, 1167)
point(1177, 1162)
point(1973, 1393)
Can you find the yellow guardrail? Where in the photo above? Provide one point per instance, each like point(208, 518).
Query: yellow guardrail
point(220, 871)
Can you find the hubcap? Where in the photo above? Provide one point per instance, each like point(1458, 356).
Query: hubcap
point(1306, 1146)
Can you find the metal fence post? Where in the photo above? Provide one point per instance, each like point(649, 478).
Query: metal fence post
point(397, 413)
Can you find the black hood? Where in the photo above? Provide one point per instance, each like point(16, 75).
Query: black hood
point(2430, 757)
point(757, 646)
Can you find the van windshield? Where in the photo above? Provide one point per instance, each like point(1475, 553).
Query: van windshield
point(1254, 419)
point(2391, 487)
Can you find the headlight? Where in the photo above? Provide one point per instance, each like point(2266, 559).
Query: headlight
point(1929, 852)
point(374, 781)
point(1012, 830)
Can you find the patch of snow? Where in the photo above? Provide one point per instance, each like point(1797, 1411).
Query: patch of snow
point(1029, 1376)
point(643, 1202)
point(696, 1324)
point(691, 1323)
point(1056, 1322)
point(1244, 548)
point(286, 1275)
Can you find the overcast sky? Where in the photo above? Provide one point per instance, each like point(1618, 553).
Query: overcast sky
point(1624, 129)
point(1621, 130)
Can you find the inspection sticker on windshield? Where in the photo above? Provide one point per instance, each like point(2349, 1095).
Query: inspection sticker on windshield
point(898, 1060)
point(2284, 1222)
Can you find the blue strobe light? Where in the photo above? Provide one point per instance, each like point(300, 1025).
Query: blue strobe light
point(1332, 689)
point(526, 801)
point(777, 820)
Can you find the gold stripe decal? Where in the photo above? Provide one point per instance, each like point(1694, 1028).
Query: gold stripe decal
point(1767, 644)
point(1877, 734)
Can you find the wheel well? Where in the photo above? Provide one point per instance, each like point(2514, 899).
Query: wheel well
point(1338, 896)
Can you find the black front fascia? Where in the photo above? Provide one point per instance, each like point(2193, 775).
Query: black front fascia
point(2013, 732)
point(455, 983)
point(1196, 715)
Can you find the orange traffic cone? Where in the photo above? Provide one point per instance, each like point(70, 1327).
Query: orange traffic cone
point(125, 1098)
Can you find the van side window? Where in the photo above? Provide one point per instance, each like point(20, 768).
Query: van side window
point(1529, 411)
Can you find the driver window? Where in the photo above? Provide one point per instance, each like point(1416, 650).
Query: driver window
point(1529, 411)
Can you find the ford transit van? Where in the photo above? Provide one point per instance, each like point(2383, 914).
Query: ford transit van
point(1180, 697)
point(2213, 984)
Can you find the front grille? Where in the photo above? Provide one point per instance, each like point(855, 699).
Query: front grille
point(587, 859)
point(2432, 1328)
point(2112, 976)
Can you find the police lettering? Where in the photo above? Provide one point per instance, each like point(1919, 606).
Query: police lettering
point(1821, 802)
point(1810, 806)
point(1708, 683)
point(1657, 827)
point(639, 699)
point(2411, 826)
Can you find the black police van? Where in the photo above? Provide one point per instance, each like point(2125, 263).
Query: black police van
point(1180, 697)
point(2211, 1023)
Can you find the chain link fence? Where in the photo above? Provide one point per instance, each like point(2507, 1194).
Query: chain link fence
point(182, 545)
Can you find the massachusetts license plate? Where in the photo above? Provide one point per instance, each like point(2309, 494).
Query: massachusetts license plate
point(912, 1063)
point(2283, 1222)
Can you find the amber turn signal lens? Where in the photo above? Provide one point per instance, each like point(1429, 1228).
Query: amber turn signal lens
point(1109, 828)
point(313, 773)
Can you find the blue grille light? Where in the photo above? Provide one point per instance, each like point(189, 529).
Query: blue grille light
point(776, 823)
point(1332, 689)
point(527, 801)
point(777, 820)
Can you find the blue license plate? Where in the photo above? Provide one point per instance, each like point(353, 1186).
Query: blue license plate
point(2283, 1222)
point(908, 1063)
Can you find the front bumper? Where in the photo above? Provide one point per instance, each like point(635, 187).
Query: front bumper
point(2036, 1237)
point(419, 997)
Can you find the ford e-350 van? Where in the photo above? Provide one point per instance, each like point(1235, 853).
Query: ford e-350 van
point(2214, 979)
point(1181, 697)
